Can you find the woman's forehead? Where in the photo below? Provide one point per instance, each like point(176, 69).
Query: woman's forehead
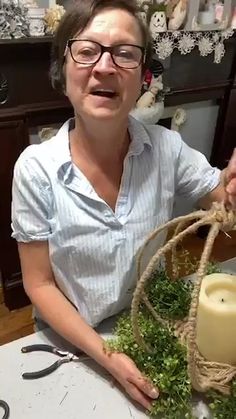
point(113, 25)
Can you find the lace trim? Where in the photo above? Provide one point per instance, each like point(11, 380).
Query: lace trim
point(184, 41)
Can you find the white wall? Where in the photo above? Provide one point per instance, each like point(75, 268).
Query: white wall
point(199, 129)
point(198, 132)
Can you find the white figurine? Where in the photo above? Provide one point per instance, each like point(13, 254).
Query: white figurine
point(148, 98)
point(143, 10)
point(178, 15)
point(157, 23)
point(143, 16)
point(147, 110)
point(179, 118)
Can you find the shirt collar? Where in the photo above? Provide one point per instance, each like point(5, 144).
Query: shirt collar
point(139, 137)
point(138, 134)
point(61, 151)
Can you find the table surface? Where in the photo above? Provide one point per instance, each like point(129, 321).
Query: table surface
point(79, 389)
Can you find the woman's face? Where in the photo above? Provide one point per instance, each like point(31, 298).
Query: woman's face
point(83, 83)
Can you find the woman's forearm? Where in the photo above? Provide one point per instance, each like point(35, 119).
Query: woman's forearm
point(61, 316)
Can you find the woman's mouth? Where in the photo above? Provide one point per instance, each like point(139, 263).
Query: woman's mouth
point(105, 93)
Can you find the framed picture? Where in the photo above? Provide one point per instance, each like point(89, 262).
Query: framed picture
point(207, 15)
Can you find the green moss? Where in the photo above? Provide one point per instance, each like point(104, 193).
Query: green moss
point(166, 366)
point(171, 299)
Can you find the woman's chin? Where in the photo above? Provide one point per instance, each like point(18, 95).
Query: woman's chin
point(104, 113)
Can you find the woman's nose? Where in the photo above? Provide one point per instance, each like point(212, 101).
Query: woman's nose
point(105, 64)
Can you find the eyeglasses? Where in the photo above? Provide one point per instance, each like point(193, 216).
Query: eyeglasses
point(88, 52)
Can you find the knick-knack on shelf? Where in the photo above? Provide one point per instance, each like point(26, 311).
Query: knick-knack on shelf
point(150, 106)
point(149, 98)
point(176, 13)
point(157, 19)
point(36, 21)
point(196, 21)
point(233, 21)
point(52, 18)
point(143, 10)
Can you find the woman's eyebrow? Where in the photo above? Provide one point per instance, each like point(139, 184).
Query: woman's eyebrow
point(122, 41)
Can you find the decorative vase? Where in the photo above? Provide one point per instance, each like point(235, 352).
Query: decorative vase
point(207, 17)
point(221, 19)
point(36, 21)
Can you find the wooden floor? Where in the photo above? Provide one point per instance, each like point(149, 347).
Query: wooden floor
point(18, 323)
point(14, 324)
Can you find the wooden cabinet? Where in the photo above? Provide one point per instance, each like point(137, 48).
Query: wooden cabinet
point(226, 132)
point(28, 100)
point(225, 135)
point(13, 139)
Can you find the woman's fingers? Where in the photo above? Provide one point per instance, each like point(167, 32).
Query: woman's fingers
point(142, 390)
point(231, 169)
point(231, 192)
point(230, 182)
point(138, 396)
point(136, 385)
point(145, 386)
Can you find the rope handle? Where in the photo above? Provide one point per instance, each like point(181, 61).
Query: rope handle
point(219, 218)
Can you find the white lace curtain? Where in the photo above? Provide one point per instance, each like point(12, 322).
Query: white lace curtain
point(207, 42)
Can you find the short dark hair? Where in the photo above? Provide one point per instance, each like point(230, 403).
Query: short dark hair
point(75, 21)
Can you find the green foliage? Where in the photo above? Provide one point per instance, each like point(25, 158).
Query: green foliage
point(213, 268)
point(223, 407)
point(171, 299)
point(166, 365)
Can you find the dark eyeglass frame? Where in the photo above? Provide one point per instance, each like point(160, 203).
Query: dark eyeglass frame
point(109, 49)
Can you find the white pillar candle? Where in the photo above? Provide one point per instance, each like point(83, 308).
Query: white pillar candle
point(216, 318)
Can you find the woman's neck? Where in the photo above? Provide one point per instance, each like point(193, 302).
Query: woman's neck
point(102, 142)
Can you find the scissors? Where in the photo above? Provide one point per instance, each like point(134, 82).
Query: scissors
point(6, 409)
point(65, 356)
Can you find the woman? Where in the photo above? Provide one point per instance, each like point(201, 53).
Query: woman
point(84, 201)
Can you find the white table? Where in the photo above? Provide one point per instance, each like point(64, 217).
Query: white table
point(77, 390)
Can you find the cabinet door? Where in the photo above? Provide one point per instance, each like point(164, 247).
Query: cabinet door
point(228, 142)
point(13, 139)
point(225, 138)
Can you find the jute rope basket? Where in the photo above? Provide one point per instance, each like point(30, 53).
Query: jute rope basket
point(203, 374)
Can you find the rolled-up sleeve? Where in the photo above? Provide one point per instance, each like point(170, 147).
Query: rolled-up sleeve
point(195, 177)
point(31, 209)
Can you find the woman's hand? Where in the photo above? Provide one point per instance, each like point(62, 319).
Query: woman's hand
point(135, 384)
point(230, 181)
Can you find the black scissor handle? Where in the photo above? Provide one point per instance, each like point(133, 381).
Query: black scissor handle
point(39, 347)
point(45, 371)
point(6, 409)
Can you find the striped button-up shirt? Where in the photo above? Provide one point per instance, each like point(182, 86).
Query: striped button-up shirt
point(92, 248)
